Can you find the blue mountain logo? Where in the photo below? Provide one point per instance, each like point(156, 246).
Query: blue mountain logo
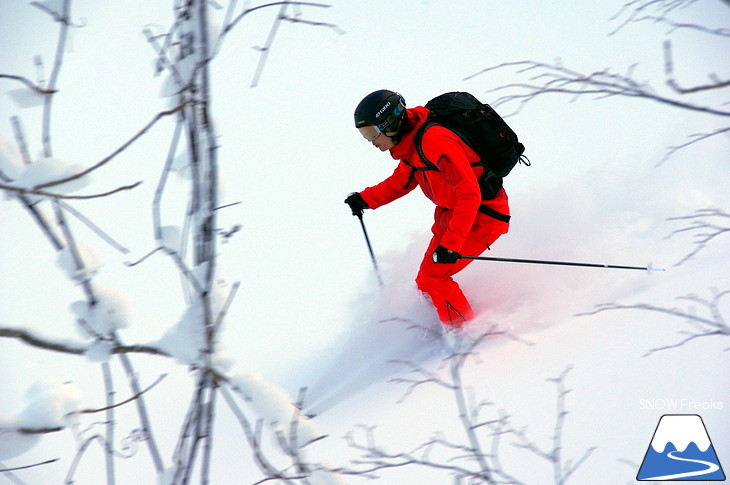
point(681, 450)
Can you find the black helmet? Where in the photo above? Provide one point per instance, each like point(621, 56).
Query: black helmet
point(384, 109)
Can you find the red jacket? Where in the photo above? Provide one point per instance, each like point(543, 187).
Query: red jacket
point(454, 188)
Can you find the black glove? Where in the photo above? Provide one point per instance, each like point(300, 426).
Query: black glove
point(445, 256)
point(354, 200)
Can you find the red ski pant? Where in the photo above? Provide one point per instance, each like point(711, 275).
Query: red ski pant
point(436, 280)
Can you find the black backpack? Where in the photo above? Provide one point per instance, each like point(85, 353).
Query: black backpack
point(480, 127)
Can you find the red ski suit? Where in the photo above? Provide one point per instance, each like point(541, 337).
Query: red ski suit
point(458, 223)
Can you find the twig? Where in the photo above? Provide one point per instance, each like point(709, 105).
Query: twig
point(109, 418)
point(426, 377)
point(714, 325)
point(553, 78)
point(156, 215)
point(29, 84)
point(55, 196)
point(80, 452)
point(562, 471)
point(637, 7)
point(122, 403)
point(267, 46)
point(705, 230)
point(72, 247)
point(94, 228)
point(20, 139)
point(672, 82)
point(25, 467)
point(314, 23)
point(240, 16)
point(695, 138)
point(62, 19)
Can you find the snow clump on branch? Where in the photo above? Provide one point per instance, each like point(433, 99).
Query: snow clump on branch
point(273, 405)
point(110, 313)
point(87, 266)
point(51, 406)
point(47, 170)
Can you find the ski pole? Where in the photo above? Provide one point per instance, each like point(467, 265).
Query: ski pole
point(370, 249)
point(648, 268)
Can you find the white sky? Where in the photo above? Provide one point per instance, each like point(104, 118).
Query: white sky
point(290, 155)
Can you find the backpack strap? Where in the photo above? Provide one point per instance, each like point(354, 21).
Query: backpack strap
point(494, 214)
point(419, 148)
point(418, 139)
point(431, 166)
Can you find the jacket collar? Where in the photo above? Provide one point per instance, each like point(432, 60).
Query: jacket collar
point(416, 117)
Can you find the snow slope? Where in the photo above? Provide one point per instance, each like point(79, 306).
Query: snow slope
point(618, 393)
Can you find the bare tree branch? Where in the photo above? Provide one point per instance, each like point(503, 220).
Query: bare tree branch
point(554, 78)
point(545, 78)
point(634, 10)
point(247, 11)
point(712, 325)
point(695, 138)
point(116, 152)
point(479, 466)
point(703, 227)
point(674, 84)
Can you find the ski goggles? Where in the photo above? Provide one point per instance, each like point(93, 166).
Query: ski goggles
point(370, 132)
point(390, 126)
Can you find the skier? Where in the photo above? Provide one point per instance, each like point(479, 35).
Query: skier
point(463, 222)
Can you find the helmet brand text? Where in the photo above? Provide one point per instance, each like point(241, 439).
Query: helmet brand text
point(382, 110)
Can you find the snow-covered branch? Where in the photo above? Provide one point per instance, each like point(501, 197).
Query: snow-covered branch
point(75, 348)
point(291, 431)
point(186, 51)
point(52, 429)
